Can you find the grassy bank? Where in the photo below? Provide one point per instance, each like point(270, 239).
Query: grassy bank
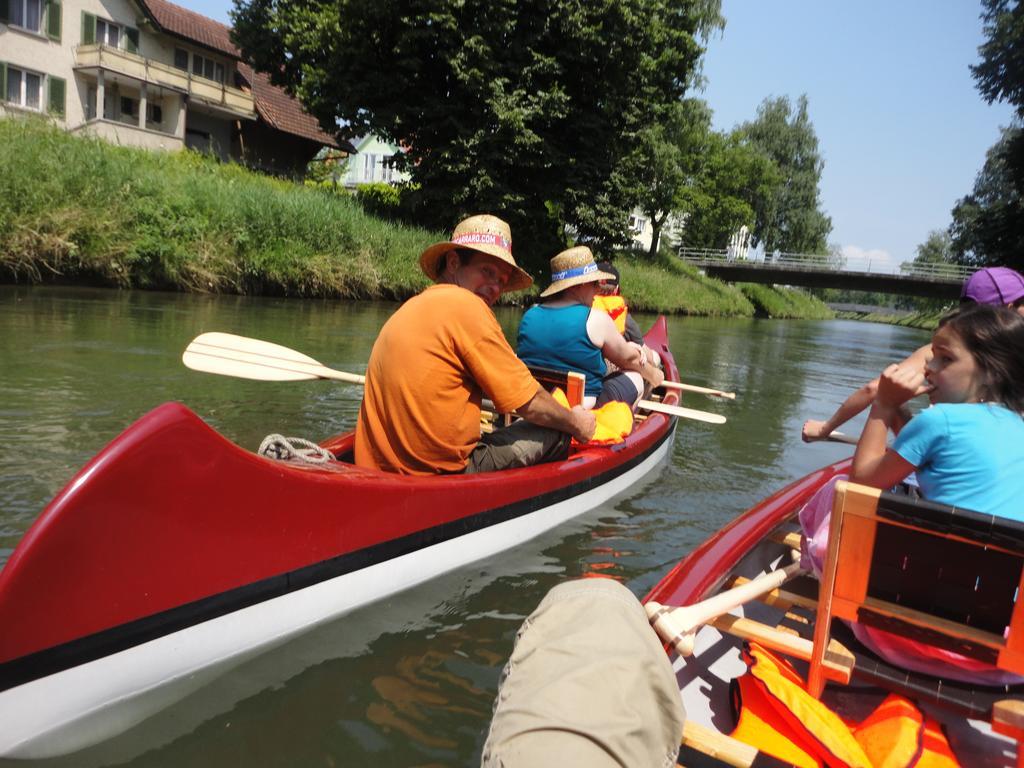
point(926, 321)
point(77, 210)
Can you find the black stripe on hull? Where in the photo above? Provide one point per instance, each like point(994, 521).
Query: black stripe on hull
point(124, 636)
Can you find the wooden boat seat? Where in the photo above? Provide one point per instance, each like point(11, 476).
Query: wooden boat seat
point(969, 700)
point(946, 576)
point(928, 571)
point(570, 382)
point(935, 573)
point(942, 575)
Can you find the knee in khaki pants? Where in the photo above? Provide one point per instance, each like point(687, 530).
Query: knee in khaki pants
point(588, 683)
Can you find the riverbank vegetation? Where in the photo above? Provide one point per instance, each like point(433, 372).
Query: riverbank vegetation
point(926, 321)
point(79, 210)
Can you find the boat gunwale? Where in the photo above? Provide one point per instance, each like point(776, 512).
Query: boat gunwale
point(699, 575)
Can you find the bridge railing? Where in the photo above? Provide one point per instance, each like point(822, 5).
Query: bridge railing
point(824, 263)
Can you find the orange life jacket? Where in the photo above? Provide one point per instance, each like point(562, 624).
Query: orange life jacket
point(898, 735)
point(785, 717)
point(615, 307)
point(779, 718)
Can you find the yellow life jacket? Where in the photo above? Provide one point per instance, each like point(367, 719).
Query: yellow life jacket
point(614, 420)
point(615, 307)
point(779, 718)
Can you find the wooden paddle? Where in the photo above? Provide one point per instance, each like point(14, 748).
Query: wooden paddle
point(694, 388)
point(684, 413)
point(834, 437)
point(678, 626)
point(245, 358)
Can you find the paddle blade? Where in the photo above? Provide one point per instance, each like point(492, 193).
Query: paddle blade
point(230, 355)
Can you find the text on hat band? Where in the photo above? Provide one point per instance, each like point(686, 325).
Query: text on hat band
point(482, 238)
point(574, 272)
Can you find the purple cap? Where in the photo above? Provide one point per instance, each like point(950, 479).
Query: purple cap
point(994, 285)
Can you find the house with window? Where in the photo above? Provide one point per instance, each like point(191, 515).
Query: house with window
point(372, 163)
point(642, 233)
point(149, 73)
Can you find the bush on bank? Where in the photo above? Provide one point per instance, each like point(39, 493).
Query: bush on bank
point(782, 303)
point(926, 321)
point(80, 210)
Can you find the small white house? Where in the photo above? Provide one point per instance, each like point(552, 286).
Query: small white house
point(371, 163)
point(642, 233)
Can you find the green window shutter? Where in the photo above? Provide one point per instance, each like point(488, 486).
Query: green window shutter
point(5, 13)
point(88, 28)
point(131, 39)
point(56, 96)
point(53, 21)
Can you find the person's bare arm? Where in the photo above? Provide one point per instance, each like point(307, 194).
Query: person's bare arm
point(606, 337)
point(854, 404)
point(861, 399)
point(544, 411)
point(874, 463)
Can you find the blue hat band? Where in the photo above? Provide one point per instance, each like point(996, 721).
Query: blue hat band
point(574, 272)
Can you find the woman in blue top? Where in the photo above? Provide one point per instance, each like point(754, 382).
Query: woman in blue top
point(968, 448)
point(566, 333)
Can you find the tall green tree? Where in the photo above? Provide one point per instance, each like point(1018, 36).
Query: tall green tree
point(936, 250)
point(1000, 74)
point(988, 224)
point(790, 217)
point(531, 109)
point(672, 155)
point(733, 176)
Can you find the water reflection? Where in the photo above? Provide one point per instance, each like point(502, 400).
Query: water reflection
point(409, 681)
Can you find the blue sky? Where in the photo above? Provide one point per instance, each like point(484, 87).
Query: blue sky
point(900, 125)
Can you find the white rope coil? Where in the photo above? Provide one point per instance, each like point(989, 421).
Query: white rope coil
point(285, 448)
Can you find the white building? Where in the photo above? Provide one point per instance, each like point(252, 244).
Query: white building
point(370, 163)
point(642, 232)
point(148, 73)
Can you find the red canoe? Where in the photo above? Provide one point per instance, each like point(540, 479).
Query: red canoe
point(979, 722)
point(175, 554)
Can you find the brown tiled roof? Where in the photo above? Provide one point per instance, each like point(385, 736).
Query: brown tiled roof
point(191, 26)
point(275, 107)
point(284, 112)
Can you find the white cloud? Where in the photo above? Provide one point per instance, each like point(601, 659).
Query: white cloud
point(870, 260)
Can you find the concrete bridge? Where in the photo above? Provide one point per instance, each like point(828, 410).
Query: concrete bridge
point(940, 281)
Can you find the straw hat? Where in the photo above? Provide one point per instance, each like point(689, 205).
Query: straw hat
point(485, 234)
point(573, 267)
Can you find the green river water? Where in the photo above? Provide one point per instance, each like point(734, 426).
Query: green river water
point(410, 681)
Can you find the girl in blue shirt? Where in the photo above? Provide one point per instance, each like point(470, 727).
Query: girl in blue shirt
point(968, 448)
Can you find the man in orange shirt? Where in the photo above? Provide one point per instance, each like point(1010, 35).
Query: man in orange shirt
point(440, 353)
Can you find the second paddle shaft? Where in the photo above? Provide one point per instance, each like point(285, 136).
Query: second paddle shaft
point(701, 390)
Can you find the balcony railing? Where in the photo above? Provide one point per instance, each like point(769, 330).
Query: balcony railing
point(825, 263)
point(146, 70)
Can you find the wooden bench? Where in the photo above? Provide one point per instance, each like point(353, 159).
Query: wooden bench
point(941, 575)
point(570, 382)
point(945, 576)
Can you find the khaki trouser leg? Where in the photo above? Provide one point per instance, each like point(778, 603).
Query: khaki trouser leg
point(588, 683)
point(520, 445)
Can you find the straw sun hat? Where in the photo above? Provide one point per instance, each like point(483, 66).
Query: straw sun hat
point(486, 234)
point(573, 267)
